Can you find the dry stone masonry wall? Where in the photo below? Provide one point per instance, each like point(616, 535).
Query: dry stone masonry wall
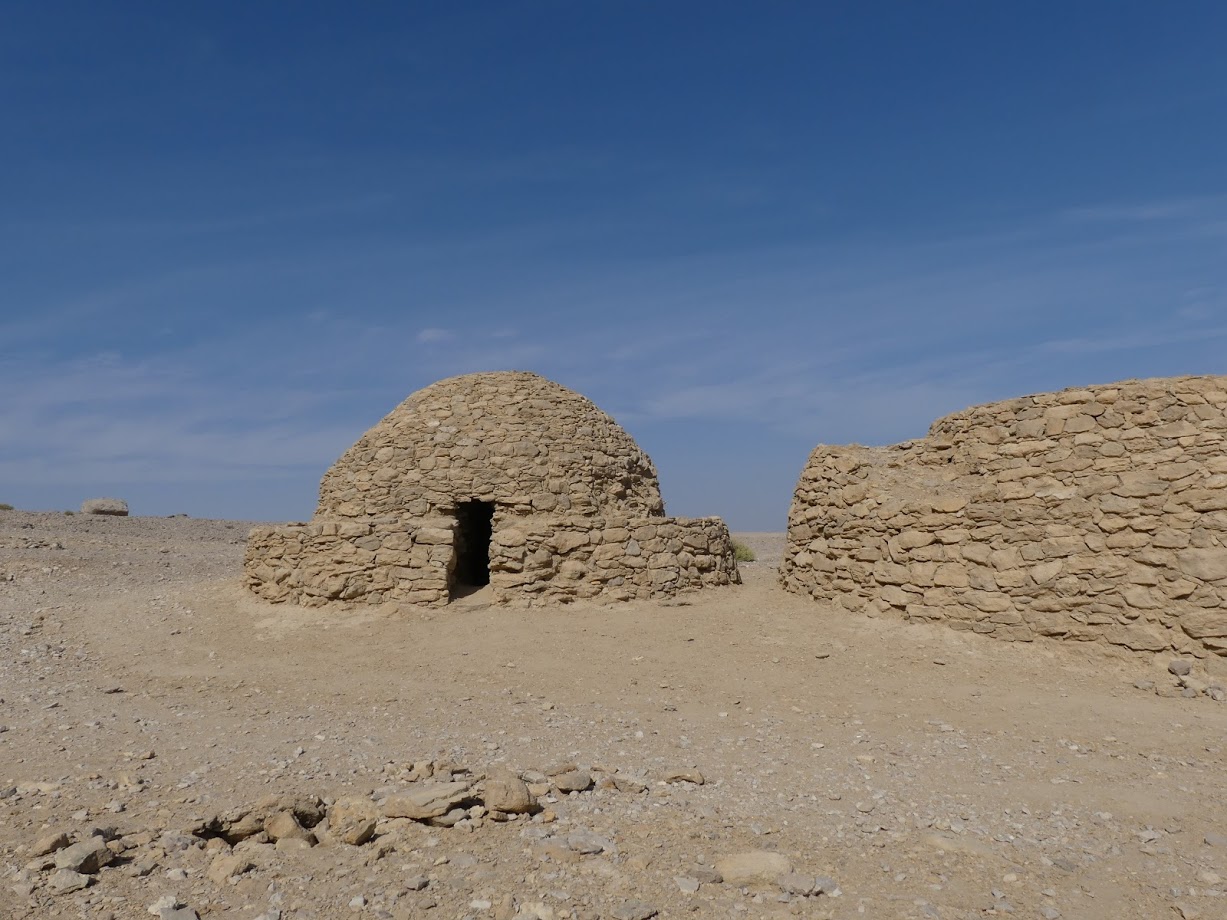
point(612, 558)
point(321, 561)
point(506, 474)
point(517, 439)
point(1095, 514)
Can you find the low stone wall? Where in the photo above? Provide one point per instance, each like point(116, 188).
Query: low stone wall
point(324, 561)
point(554, 560)
point(533, 560)
point(1092, 514)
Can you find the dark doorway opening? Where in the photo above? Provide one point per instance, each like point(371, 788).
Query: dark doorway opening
point(476, 520)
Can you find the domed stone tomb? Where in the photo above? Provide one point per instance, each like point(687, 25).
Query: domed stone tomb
point(506, 479)
point(1095, 515)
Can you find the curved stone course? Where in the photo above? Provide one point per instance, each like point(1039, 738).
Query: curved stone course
point(575, 504)
point(1094, 514)
point(514, 438)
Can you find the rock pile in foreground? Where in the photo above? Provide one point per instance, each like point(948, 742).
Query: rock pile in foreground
point(222, 850)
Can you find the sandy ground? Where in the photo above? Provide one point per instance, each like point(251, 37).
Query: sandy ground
point(924, 773)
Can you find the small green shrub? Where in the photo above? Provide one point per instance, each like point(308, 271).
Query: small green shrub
point(5, 506)
point(70, 512)
point(742, 553)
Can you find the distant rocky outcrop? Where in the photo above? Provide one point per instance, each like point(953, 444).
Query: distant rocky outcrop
point(116, 507)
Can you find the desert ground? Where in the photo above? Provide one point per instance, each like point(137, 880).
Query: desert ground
point(750, 753)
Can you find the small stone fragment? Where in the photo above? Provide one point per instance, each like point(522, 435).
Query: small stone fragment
point(684, 776)
point(573, 781)
point(824, 884)
point(628, 783)
point(633, 910)
point(753, 866)
point(66, 880)
point(588, 843)
point(283, 825)
point(432, 800)
point(504, 791)
point(796, 883)
point(227, 866)
point(451, 819)
point(88, 856)
point(49, 843)
point(352, 821)
point(294, 844)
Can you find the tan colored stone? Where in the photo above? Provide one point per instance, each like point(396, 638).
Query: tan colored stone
point(352, 821)
point(49, 843)
point(889, 573)
point(1046, 572)
point(1202, 624)
point(1137, 638)
point(951, 575)
point(753, 867)
point(227, 866)
point(1204, 564)
point(895, 596)
point(504, 791)
point(988, 602)
point(431, 800)
point(88, 856)
point(909, 539)
point(684, 776)
point(949, 504)
point(284, 825)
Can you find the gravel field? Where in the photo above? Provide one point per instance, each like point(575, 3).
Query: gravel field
point(171, 746)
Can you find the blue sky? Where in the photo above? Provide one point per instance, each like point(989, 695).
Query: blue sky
point(234, 235)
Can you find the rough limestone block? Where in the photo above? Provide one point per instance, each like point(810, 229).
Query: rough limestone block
point(114, 507)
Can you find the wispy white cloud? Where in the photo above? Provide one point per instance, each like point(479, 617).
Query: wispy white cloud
point(250, 219)
point(1167, 209)
point(1141, 339)
point(105, 418)
point(834, 342)
point(433, 335)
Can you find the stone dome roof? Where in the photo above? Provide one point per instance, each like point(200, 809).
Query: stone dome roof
point(510, 437)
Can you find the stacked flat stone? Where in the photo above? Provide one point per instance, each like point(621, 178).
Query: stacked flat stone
point(578, 511)
point(517, 439)
point(1096, 514)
